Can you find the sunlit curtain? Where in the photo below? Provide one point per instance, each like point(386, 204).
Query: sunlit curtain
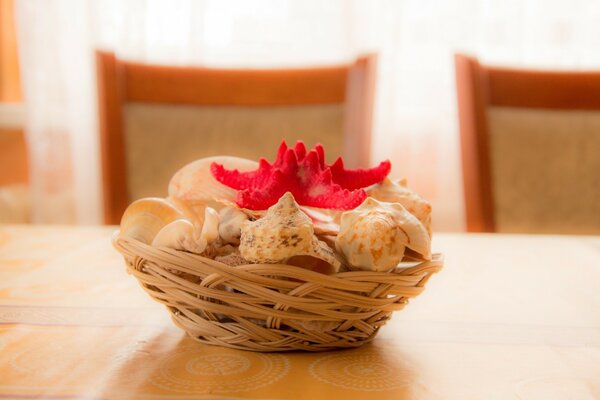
point(415, 118)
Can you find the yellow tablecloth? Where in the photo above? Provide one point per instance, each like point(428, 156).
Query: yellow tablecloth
point(509, 317)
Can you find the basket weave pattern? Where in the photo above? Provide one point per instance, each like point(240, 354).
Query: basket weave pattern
point(271, 307)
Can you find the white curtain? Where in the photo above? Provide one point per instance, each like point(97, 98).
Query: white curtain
point(415, 118)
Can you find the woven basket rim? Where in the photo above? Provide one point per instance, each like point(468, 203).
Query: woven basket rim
point(411, 266)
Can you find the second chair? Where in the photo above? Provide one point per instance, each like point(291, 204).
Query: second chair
point(530, 148)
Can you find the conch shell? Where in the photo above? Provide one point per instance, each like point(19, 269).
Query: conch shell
point(399, 192)
point(182, 234)
point(375, 235)
point(195, 184)
point(286, 235)
point(144, 218)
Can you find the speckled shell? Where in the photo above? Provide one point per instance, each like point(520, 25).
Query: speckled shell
point(285, 234)
point(398, 192)
point(375, 235)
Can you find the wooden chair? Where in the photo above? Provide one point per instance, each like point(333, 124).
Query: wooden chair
point(155, 119)
point(530, 148)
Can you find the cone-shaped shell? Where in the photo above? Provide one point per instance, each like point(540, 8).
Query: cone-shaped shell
point(195, 184)
point(286, 233)
point(375, 235)
point(144, 218)
point(398, 192)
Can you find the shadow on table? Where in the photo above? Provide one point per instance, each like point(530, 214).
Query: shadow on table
point(173, 365)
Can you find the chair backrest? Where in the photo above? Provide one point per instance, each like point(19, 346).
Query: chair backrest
point(154, 119)
point(530, 148)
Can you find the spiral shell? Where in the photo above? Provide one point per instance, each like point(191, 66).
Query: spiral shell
point(375, 235)
point(399, 192)
point(144, 218)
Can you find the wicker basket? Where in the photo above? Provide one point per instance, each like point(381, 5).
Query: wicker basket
point(271, 307)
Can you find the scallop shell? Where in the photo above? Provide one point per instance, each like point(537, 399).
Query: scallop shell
point(144, 218)
point(286, 235)
point(399, 192)
point(375, 235)
point(195, 184)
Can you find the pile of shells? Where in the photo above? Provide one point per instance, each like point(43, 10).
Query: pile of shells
point(200, 216)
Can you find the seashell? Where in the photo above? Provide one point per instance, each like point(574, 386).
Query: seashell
point(328, 239)
point(286, 235)
point(252, 214)
point(144, 218)
point(374, 236)
point(179, 235)
point(323, 222)
point(323, 214)
point(230, 225)
point(210, 226)
point(191, 211)
point(182, 234)
point(398, 192)
point(195, 184)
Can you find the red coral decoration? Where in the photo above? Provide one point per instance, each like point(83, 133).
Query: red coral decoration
point(306, 175)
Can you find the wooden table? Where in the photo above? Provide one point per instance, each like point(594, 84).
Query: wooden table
point(509, 317)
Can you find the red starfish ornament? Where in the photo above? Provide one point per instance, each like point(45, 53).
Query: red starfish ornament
point(306, 175)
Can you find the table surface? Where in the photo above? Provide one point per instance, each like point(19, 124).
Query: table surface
point(509, 317)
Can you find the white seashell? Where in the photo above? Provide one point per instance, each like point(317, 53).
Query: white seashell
point(286, 235)
point(144, 218)
point(323, 221)
point(191, 211)
point(375, 235)
point(195, 184)
point(398, 192)
point(210, 227)
point(230, 225)
point(183, 234)
point(179, 235)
